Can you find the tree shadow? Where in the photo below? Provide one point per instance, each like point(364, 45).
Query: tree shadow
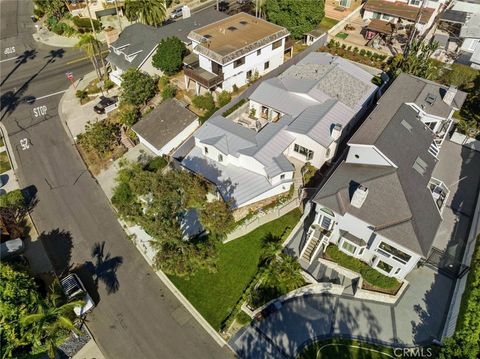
point(10, 99)
point(104, 268)
point(58, 244)
point(22, 59)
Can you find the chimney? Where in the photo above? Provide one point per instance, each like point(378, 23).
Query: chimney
point(336, 131)
point(449, 95)
point(111, 35)
point(359, 196)
point(185, 12)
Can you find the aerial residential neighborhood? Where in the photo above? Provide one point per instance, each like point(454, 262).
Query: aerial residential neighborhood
point(240, 179)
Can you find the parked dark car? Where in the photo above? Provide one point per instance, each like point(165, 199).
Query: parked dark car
point(223, 6)
point(104, 102)
point(11, 248)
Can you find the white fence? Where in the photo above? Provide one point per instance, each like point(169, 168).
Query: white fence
point(468, 142)
point(262, 218)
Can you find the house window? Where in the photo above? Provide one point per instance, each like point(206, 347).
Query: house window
point(282, 177)
point(415, 2)
point(384, 266)
point(376, 15)
point(303, 151)
point(385, 17)
point(349, 247)
point(259, 52)
point(266, 65)
point(360, 252)
point(397, 270)
point(249, 74)
point(220, 158)
point(397, 254)
point(206, 150)
point(276, 44)
point(239, 62)
point(326, 222)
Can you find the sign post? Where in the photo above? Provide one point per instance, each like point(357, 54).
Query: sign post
point(71, 79)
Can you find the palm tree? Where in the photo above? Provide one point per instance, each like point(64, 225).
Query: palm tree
point(88, 45)
point(150, 12)
point(52, 321)
point(285, 273)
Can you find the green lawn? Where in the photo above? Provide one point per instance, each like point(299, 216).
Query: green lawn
point(342, 35)
point(328, 23)
point(215, 294)
point(4, 163)
point(345, 349)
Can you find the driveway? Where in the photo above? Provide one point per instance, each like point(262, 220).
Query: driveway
point(415, 319)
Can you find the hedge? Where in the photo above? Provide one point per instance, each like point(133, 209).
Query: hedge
point(84, 23)
point(234, 107)
point(369, 274)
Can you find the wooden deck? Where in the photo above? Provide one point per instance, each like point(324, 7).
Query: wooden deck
point(333, 9)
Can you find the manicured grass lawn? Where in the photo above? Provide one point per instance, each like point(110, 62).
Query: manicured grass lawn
point(345, 349)
point(215, 294)
point(4, 164)
point(342, 35)
point(328, 23)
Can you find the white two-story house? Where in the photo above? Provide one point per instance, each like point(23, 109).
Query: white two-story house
point(404, 12)
point(381, 204)
point(298, 117)
point(231, 51)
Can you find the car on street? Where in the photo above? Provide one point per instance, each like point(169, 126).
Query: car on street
point(74, 289)
point(223, 6)
point(11, 248)
point(176, 13)
point(104, 103)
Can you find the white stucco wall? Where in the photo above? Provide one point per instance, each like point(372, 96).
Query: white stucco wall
point(281, 188)
point(470, 44)
point(319, 151)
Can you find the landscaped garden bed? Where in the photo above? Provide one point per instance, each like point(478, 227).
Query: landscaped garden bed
point(355, 54)
point(218, 295)
point(4, 163)
point(372, 279)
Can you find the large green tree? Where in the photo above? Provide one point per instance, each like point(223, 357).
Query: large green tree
point(149, 12)
point(13, 209)
point(417, 62)
point(137, 87)
point(52, 321)
point(217, 218)
point(100, 137)
point(297, 16)
point(169, 55)
point(18, 295)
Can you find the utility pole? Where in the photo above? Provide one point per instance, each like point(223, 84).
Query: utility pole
point(95, 36)
point(414, 30)
point(118, 16)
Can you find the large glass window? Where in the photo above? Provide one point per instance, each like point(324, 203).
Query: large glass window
point(384, 266)
point(349, 247)
point(303, 151)
point(397, 254)
point(238, 62)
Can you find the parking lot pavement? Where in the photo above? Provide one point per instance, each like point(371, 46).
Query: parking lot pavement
point(458, 167)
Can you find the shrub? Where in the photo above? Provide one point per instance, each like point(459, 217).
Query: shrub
point(81, 95)
point(129, 115)
point(349, 48)
point(234, 107)
point(377, 80)
point(137, 87)
point(368, 53)
point(164, 81)
point(355, 50)
point(84, 23)
point(459, 75)
point(207, 115)
point(108, 84)
point(235, 88)
point(100, 137)
point(156, 163)
point(362, 52)
point(344, 46)
point(224, 98)
point(38, 12)
point(204, 102)
point(169, 91)
point(369, 274)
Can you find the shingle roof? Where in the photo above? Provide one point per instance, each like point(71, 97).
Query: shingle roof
point(144, 38)
point(405, 89)
point(165, 122)
point(399, 204)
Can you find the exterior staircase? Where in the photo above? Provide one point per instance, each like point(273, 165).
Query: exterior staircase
point(312, 245)
point(125, 140)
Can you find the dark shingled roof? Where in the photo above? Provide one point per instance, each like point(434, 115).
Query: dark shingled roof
point(405, 89)
point(146, 38)
point(165, 122)
point(399, 204)
point(454, 16)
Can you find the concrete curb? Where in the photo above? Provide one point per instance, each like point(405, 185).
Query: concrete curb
point(8, 146)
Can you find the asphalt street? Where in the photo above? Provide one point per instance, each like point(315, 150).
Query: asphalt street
point(136, 315)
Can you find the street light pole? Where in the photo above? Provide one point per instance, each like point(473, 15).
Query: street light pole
point(118, 16)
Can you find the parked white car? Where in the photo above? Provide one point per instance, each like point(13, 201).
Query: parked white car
point(74, 289)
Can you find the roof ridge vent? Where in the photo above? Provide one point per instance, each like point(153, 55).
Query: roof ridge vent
point(359, 196)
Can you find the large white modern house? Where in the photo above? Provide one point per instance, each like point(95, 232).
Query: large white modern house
point(381, 204)
point(231, 51)
point(298, 117)
point(403, 12)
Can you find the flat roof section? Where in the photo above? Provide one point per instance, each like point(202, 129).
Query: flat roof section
point(235, 33)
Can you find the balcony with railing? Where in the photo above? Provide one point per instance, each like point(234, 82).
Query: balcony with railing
point(203, 77)
point(440, 193)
